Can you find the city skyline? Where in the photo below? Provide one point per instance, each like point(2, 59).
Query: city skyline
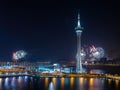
point(46, 31)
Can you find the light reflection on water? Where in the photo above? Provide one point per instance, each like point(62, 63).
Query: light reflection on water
point(31, 83)
point(62, 83)
point(6, 84)
point(117, 83)
point(91, 82)
point(0, 83)
point(20, 82)
point(51, 86)
point(13, 83)
point(46, 82)
point(80, 83)
point(72, 83)
point(54, 82)
point(109, 81)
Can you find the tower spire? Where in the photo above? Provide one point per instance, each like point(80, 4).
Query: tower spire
point(78, 23)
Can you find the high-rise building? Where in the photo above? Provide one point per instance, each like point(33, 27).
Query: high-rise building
point(79, 30)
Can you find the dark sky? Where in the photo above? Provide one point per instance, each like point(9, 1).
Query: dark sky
point(45, 30)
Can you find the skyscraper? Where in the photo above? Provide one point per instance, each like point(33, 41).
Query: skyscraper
point(78, 56)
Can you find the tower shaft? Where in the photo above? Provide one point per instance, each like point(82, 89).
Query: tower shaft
point(79, 63)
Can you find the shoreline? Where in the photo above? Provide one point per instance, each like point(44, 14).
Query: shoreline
point(84, 76)
point(4, 76)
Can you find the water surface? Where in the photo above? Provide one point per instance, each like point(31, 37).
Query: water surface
point(30, 83)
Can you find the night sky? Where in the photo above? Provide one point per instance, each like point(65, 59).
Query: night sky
point(45, 30)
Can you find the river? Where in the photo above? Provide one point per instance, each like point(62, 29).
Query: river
point(32, 83)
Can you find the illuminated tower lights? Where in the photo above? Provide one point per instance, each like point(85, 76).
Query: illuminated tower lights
point(78, 56)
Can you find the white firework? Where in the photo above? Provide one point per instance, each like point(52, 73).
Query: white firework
point(19, 54)
point(98, 53)
point(92, 53)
